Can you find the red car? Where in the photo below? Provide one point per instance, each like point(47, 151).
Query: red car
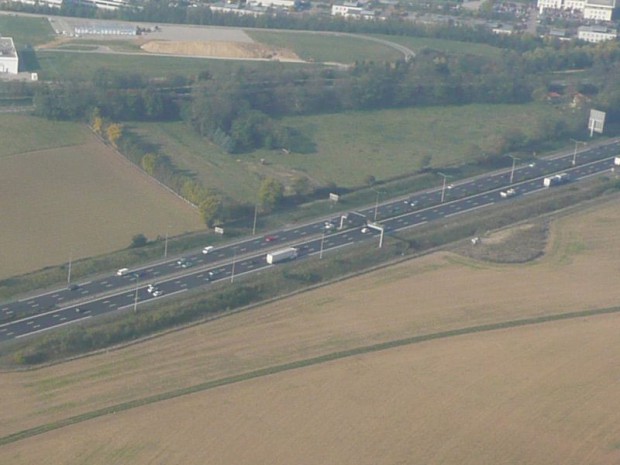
point(270, 238)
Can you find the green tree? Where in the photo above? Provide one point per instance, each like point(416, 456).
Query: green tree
point(210, 208)
point(270, 194)
point(301, 185)
point(139, 240)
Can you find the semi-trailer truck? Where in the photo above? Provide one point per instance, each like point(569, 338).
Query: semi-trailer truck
point(556, 179)
point(281, 255)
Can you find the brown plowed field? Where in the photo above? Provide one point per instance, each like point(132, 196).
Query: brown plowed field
point(532, 395)
point(219, 49)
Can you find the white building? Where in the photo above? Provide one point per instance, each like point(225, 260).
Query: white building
point(596, 33)
point(346, 9)
point(9, 61)
point(600, 10)
point(275, 3)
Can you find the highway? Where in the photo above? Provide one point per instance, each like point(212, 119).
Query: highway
point(61, 307)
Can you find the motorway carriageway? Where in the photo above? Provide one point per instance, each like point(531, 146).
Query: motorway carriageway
point(111, 293)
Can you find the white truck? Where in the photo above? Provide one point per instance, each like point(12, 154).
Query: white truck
point(556, 179)
point(281, 255)
point(617, 161)
point(508, 193)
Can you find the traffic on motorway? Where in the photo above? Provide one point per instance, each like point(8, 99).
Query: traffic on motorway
point(128, 289)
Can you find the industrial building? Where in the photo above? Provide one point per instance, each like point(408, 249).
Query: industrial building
point(9, 61)
point(600, 10)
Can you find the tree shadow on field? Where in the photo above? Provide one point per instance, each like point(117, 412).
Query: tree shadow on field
point(28, 61)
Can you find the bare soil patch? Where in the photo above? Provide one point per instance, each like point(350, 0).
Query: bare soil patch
point(445, 388)
point(219, 49)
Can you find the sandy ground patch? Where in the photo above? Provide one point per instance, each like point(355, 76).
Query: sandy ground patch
point(535, 395)
point(79, 201)
point(219, 49)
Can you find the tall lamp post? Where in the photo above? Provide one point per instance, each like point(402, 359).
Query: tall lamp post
point(135, 299)
point(69, 272)
point(166, 243)
point(232, 271)
point(512, 171)
point(322, 240)
point(255, 217)
point(443, 188)
point(376, 206)
point(575, 152)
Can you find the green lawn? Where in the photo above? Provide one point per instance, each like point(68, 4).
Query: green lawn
point(64, 65)
point(327, 47)
point(26, 31)
point(448, 46)
point(23, 133)
point(215, 168)
point(349, 146)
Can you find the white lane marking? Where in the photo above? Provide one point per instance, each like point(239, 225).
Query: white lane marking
point(52, 327)
point(151, 300)
point(469, 209)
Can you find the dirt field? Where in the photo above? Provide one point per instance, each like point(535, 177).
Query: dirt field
point(219, 49)
point(79, 201)
point(535, 395)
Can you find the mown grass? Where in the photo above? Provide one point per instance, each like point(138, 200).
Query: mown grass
point(26, 31)
point(23, 133)
point(55, 65)
point(338, 48)
point(386, 144)
point(447, 46)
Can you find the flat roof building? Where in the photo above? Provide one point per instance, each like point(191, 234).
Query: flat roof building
point(9, 61)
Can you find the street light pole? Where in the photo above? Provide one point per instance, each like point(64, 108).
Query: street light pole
point(381, 238)
point(69, 272)
point(166, 244)
point(512, 172)
point(135, 299)
point(575, 152)
point(322, 240)
point(255, 217)
point(376, 207)
point(232, 271)
point(443, 188)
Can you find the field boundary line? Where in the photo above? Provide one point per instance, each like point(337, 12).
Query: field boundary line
point(276, 369)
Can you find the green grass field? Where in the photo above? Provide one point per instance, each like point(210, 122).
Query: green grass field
point(22, 133)
point(350, 146)
point(215, 168)
point(26, 31)
point(76, 65)
point(327, 47)
point(346, 49)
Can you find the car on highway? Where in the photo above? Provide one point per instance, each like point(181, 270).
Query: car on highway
point(365, 230)
point(207, 249)
point(270, 238)
point(78, 310)
point(122, 272)
point(73, 287)
point(410, 202)
point(156, 293)
point(150, 288)
point(328, 225)
point(184, 263)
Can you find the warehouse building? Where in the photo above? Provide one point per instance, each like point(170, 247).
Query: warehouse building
point(9, 61)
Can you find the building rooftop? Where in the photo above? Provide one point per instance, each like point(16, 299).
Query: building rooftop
point(7, 48)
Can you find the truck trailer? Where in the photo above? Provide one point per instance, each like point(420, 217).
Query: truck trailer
point(555, 180)
point(281, 255)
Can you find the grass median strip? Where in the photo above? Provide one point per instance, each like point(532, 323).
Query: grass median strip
point(294, 365)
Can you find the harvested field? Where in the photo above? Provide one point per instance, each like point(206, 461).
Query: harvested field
point(535, 395)
point(79, 201)
point(219, 49)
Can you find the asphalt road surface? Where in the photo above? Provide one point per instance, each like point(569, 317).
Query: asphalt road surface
point(60, 307)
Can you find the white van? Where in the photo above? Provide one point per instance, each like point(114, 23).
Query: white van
point(207, 249)
point(122, 272)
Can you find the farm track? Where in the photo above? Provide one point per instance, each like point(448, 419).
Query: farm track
point(24, 434)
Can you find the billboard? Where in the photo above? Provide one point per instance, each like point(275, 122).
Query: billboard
point(596, 121)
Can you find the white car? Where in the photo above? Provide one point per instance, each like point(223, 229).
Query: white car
point(365, 230)
point(156, 293)
point(122, 272)
point(207, 249)
point(150, 288)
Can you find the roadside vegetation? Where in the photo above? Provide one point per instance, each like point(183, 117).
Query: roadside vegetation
point(224, 297)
